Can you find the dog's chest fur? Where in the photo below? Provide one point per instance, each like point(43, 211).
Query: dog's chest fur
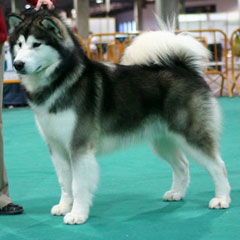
point(56, 128)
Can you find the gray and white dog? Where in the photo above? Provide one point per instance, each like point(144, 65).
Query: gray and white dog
point(85, 108)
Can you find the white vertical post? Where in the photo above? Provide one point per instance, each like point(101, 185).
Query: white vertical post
point(82, 17)
point(167, 9)
point(17, 6)
point(108, 8)
point(138, 14)
point(239, 11)
point(13, 5)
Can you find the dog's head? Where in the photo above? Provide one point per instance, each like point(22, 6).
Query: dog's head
point(38, 41)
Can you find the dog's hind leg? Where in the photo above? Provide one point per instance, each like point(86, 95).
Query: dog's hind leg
point(84, 183)
point(62, 164)
point(196, 127)
point(199, 139)
point(169, 151)
point(214, 164)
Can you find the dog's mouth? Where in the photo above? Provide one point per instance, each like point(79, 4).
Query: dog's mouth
point(38, 68)
point(22, 72)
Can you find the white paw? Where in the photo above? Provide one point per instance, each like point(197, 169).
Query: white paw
point(218, 203)
point(173, 196)
point(61, 209)
point(75, 218)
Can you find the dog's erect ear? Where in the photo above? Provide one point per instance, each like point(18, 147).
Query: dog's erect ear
point(14, 21)
point(52, 26)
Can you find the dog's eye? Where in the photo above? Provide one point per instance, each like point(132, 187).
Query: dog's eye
point(35, 45)
point(20, 44)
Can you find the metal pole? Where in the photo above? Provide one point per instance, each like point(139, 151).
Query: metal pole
point(167, 10)
point(108, 8)
point(138, 14)
point(82, 17)
point(239, 11)
point(13, 5)
point(17, 6)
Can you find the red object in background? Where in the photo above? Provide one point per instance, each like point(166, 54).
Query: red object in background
point(34, 2)
point(3, 29)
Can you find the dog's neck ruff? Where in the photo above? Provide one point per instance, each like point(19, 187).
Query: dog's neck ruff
point(64, 73)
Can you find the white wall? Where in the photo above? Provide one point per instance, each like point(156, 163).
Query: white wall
point(221, 5)
point(149, 22)
point(102, 25)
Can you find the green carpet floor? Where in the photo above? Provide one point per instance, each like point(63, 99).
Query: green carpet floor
point(128, 203)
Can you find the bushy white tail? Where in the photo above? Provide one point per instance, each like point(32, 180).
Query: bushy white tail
point(161, 47)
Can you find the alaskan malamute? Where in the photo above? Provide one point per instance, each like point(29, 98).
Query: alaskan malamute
point(85, 108)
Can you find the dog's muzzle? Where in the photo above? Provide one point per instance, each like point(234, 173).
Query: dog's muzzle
point(19, 66)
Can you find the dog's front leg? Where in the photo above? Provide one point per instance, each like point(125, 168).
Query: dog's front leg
point(84, 183)
point(62, 164)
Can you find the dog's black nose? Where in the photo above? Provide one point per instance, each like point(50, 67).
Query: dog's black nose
point(19, 65)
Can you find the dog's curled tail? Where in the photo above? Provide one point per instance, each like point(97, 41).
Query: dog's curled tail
point(166, 48)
